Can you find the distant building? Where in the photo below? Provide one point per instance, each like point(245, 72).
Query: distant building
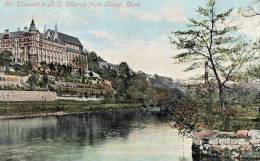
point(51, 46)
point(105, 64)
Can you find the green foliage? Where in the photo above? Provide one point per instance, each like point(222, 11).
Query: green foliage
point(191, 112)
point(128, 85)
point(44, 66)
point(32, 81)
point(45, 80)
point(51, 67)
point(93, 62)
point(254, 72)
point(208, 40)
point(81, 64)
point(6, 58)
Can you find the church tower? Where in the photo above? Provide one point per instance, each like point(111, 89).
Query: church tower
point(33, 49)
point(32, 26)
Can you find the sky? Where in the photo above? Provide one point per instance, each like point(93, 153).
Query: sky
point(134, 31)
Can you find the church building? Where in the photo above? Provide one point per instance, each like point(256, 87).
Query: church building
point(51, 46)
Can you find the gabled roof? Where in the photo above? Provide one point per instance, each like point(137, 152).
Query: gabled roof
point(44, 36)
point(67, 38)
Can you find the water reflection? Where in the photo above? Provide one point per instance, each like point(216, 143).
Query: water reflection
point(108, 136)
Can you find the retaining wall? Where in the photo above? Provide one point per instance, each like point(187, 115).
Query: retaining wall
point(9, 95)
point(242, 144)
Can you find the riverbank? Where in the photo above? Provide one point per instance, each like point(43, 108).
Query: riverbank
point(242, 144)
point(60, 107)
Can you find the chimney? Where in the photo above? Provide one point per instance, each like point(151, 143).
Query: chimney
point(6, 31)
point(56, 32)
point(25, 29)
point(45, 29)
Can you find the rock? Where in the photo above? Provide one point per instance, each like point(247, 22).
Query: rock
point(225, 134)
point(250, 154)
point(242, 133)
point(206, 134)
point(234, 141)
point(215, 147)
point(243, 142)
point(205, 141)
point(235, 154)
point(224, 141)
point(244, 148)
point(229, 147)
point(255, 134)
point(172, 124)
point(207, 146)
point(213, 142)
point(256, 146)
point(255, 141)
point(196, 141)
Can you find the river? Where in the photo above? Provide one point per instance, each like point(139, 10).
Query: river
point(102, 136)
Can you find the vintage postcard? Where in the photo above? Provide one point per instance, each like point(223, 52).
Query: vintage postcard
point(129, 80)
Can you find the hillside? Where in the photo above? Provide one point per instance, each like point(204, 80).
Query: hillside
point(131, 86)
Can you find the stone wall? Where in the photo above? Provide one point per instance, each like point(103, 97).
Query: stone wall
point(242, 144)
point(9, 95)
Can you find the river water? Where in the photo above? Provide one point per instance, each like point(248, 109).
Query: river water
point(106, 136)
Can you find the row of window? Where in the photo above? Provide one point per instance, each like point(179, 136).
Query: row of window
point(16, 39)
point(33, 43)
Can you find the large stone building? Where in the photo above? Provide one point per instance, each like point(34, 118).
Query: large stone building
point(30, 45)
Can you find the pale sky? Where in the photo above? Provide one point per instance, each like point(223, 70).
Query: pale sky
point(137, 35)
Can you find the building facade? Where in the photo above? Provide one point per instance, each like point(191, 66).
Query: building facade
point(30, 45)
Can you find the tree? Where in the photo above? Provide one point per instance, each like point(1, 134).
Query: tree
point(28, 67)
point(80, 62)
point(32, 81)
point(52, 67)
point(93, 62)
point(5, 58)
point(209, 40)
point(45, 80)
point(59, 69)
point(251, 10)
point(252, 73)
point(124, 70)
point(44, 66)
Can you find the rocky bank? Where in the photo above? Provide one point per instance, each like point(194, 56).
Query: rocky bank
point(242, 144)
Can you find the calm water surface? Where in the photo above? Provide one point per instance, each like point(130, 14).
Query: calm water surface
point(110, 136)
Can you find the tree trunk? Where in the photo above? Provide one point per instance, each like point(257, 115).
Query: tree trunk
point(210, 101)
point(221, 99)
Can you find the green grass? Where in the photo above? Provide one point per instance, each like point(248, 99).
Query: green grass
point(29, 108)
